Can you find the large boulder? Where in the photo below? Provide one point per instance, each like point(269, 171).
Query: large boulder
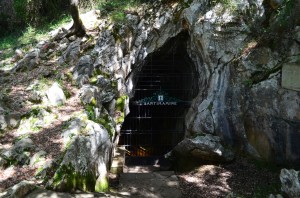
point(74, 128)
point(290, 183)
point(86, 162)
point(19, 190)
point(206, 148)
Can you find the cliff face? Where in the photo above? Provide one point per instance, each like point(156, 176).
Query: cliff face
point(242, 58)
point(241, 53)
point(247, 61)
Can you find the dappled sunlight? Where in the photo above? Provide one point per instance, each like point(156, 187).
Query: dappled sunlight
point(13, 175)
point(91, 20)
point(44, 129)
point(241, 178)
point(210, 180)
point(7, 173)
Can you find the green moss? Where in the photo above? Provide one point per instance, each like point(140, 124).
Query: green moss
point(105, 120)
point(107, 123)
point(120, 108)
point(97, 72)
point(210, 106)
point(67, 179)
point(120, 104)
point(248, 82)
point(118, 17)
point(90, 111)
point(284, 13)
point(93, 80)
point(121, 118)
point(93, 101)
point(101, 185)
point(39, 171)
point(69, 75)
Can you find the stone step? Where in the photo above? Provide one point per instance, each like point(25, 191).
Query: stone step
point(118, 160)
point(153, 184)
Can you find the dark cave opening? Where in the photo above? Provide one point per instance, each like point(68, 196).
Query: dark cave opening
point(164, 88)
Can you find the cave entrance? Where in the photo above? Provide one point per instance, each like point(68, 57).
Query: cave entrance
point(164, 88)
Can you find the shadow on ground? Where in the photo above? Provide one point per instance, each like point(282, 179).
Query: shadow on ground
point(238, 179)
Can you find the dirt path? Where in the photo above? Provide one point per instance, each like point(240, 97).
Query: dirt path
point(238, 179)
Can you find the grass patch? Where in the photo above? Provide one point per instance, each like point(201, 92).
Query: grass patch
point(115, 9)
point(114, 5)
point(30, 35)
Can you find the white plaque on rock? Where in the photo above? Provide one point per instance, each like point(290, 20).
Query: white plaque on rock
point(291, 76)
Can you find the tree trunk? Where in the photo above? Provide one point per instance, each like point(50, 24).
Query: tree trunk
point(77, 27)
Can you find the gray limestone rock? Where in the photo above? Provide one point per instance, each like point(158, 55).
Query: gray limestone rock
point(19, 153)
point(290, 182)
point(35, 97)
point(87, 159)
point(3, 123)
point(74, 128)
point(206, 148)
point(103, 83)
point(275, 196)
point(25, 144)
point(12, 120)
point(29, 61)
point(88, 93)
point(56, 95)
point(19, 190)
point(203, 123)
point(71, 53)
point(83, 67)
point(37, 157)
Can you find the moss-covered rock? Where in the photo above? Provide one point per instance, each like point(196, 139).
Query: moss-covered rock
point(102, 184)
point(87, 158)
point(67, 179)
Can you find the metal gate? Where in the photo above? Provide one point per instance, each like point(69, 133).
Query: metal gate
point(162, 96)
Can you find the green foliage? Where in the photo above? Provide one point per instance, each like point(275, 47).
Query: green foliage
point(117, 4)
point(120, 104)
point(115, 8)
point(36, 12)
point(285, 12)
point(120, 108)
point(106, 121)
point(118, 16)
point(90, 112)
point(29, 35)
point(20, 8)
point(210, 106)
